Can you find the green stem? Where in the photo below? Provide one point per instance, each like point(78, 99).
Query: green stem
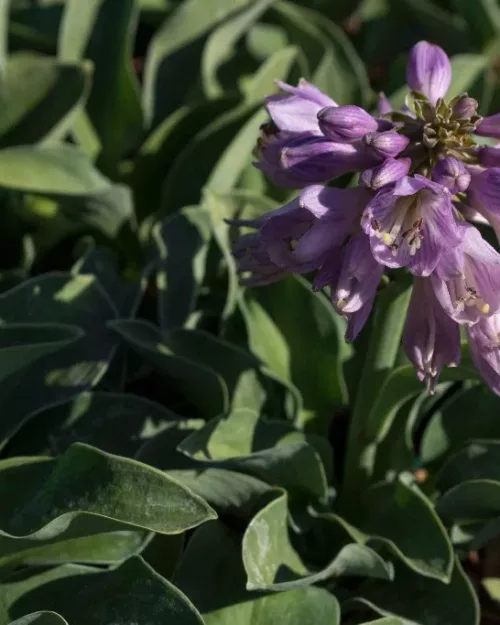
point(385, 340)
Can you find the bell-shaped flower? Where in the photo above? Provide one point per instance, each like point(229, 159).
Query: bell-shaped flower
point(484, 347)
point(467, 279)
point(411, 224)
point(431, 339)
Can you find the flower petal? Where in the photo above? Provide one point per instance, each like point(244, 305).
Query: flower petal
point(428, 71)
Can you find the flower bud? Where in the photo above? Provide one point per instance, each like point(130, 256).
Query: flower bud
point(452, 174)
point(428, 71)
point(386, 144)
point(346, 123)
point(390, 171)
point(464, 108)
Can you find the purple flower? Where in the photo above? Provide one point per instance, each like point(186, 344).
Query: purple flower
point(388, 172)
point(319, 160)
point(489, 156)
point(484, 343)
point(383, 104)
point(353, 276)
point(391, 218)
point(431, 339)
point(452, 174)
point(387, 144)
point(489, 127)
point(485, 187)
point(464, 108)
point(297, 110)
point(346, 123)
point(467, 279)
point(428, 71)
point(253, 259)
point(411, 224)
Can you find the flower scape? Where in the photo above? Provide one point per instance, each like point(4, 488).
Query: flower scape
point(423, 178)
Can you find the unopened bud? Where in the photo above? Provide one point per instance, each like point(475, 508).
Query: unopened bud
point(464, 108)
point(346, 123)
point(386, 144)
point(452, 174)
point(390, 171)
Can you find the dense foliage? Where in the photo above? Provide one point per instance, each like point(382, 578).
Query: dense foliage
point(175, 447)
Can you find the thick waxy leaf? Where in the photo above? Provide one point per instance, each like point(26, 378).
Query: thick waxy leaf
point(159, 151)
point(272, 563)
point(114, 422)
point(103, 31)
point(52, 170)
point(220, 44)
point(388, 510)
point(451, 427)
point(479, 460)
point(66, 299)
point(271, 451)
point(175, 54)
point(45, 495)
point(202, 385)
point(21, 345)
point(182, 243)
point(240, 370)
point(212, 575)
point(275, 337)
point(40, 96)
point(423, 601)
point(40, 618)
point(124, 595)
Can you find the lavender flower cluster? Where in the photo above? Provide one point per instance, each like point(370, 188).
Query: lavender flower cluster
point(422, 175)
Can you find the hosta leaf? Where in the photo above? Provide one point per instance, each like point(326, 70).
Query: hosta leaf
point(201, 385)
point(423, 601)
point(272, 563)
point(133, 593)
point(102, 262)
point(388, 510)
point(159, 151)
point(39, 97)
point(212, 575)
point(103, 31)
point(240, 370)
point(451, 427)
point(237, 155)
point(19, 584)
point(40, 618)
point(89, 540)
point(182, 242)
point(66, 299)
point(335, 65)
point(23, 344)
point(52, 170)
point(220, 44)
point(175, 53)
point(105, 212)
point(478, 460)
point(277, 339)
point(114, 422)
point(198, 160)
point(474, 500)
point(271, 451)
point(263, 82)
point(45, 495)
